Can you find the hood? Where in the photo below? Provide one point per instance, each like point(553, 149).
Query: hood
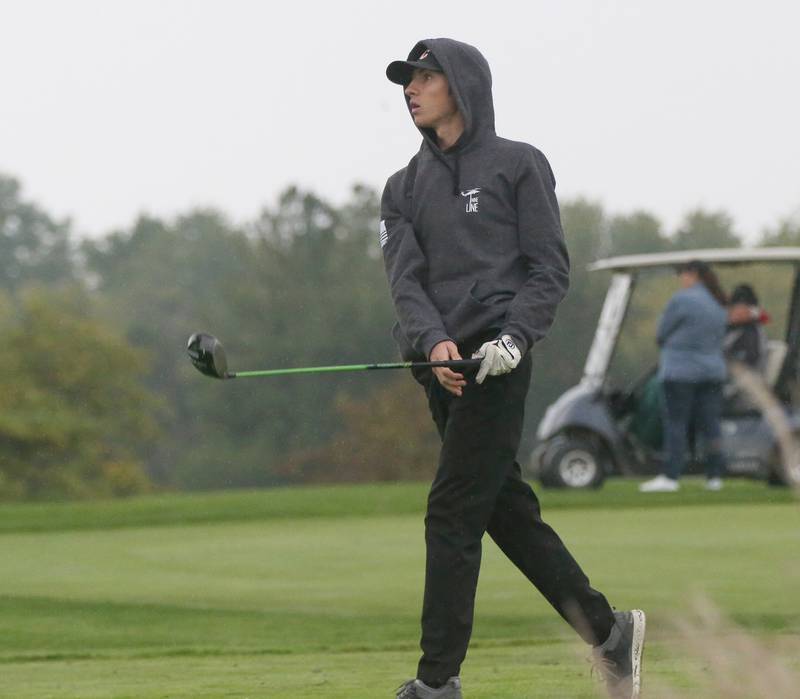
point(470, 79)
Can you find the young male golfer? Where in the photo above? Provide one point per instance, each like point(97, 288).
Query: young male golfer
point(477, 265)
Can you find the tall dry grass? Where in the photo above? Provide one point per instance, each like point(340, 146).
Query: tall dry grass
point(728, 661)
point(734, 663)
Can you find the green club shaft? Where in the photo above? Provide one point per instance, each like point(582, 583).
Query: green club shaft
point(456, 364)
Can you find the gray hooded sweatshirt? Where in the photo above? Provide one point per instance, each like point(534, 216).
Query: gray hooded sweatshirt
point(471, 237)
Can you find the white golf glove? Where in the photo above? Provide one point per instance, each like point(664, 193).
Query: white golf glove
point(499, 357)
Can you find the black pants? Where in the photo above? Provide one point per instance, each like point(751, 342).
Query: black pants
point(478, 488)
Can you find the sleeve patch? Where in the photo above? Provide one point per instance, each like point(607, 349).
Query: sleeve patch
point(383, 235)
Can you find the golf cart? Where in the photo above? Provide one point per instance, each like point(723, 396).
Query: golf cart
point(596, 429)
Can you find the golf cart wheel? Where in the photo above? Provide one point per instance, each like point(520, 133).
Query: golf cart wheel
point(572, 462)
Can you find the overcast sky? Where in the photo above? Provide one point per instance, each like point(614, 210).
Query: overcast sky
point(114, 107)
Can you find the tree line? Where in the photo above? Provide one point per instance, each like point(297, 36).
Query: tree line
point(97, 397)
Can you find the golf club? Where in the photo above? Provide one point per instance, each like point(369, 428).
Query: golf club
point(208, 356)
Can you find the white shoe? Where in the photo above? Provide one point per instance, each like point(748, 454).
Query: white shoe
point(714, 484)
point(660, 484)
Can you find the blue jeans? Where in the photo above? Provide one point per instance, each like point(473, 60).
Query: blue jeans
point(698, 405)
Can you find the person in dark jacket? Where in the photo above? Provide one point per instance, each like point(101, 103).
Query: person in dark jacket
point(692, 371)
point(476, 263)
point(745, 339)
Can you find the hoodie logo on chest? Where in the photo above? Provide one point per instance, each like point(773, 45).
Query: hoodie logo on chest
point(472, 201)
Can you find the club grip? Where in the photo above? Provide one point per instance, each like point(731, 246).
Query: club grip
point(456, 364)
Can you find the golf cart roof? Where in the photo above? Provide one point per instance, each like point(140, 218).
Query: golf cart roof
point(724, 256)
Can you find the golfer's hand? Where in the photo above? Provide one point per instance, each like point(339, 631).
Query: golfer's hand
point(499, 357)
point(452, 381)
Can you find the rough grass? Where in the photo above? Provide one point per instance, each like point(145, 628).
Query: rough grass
point(316, 592)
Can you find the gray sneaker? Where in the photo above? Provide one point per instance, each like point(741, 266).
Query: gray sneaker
point(417, 689)
point(619, 659)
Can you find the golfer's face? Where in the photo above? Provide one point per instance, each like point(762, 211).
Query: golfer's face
point(430, 99)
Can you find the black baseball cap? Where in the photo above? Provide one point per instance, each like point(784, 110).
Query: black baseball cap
point(400, 71)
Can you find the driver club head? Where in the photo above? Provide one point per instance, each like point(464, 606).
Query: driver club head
point(208, 356)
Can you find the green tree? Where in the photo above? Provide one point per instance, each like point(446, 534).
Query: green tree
point(33, 247)
point(706, 229)
point(322, 299)
point(302, 286)
point(74, 415)
point(636, 233)
point(386, 434)
point(157, 283)
point(787, 232)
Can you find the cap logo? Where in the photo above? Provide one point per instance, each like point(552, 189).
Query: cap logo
point(424, 55)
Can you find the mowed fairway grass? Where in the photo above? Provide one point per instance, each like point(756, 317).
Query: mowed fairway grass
point(315, 592)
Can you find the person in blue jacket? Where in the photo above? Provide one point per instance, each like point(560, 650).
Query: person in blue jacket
point(692, 371)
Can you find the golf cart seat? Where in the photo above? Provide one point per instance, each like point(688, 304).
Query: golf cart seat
point(776, 353)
